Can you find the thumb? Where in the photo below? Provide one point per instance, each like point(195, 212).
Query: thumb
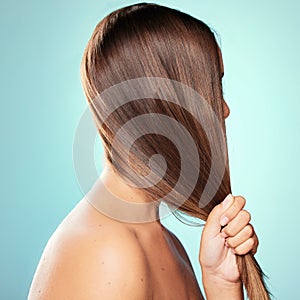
point(213, 226)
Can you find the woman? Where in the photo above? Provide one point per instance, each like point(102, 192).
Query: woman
point(95, 255)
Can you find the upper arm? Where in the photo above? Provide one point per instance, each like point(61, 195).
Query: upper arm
point(89, 269)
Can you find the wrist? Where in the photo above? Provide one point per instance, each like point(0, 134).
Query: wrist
point(228, 276)
point(208, 277)
point(215, 286)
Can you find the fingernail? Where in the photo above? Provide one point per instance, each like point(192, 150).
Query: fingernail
point(226, 244)
point(227, 201)
point(224, 221)
point(232, 250)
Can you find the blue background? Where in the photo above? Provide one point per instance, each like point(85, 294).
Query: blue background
point(42, 100)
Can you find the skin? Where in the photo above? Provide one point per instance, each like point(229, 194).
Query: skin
point(92, 256)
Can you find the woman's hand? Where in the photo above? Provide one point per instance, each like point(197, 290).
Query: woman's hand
point(218, 247)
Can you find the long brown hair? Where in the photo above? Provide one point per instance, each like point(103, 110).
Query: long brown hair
point(145, 41)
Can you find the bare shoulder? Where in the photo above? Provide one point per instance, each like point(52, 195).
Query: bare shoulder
point(104, 262)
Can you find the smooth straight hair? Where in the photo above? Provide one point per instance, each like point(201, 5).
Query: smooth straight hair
point(150, 40)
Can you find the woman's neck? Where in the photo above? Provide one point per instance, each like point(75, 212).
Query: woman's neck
point(113, 197)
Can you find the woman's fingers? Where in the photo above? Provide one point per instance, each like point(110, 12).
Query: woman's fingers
point(238, 232)
point(247, 246)
point(212, 227)
point(246, 233)
point(236, 206)
point(238, 223)
point(245, 241)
